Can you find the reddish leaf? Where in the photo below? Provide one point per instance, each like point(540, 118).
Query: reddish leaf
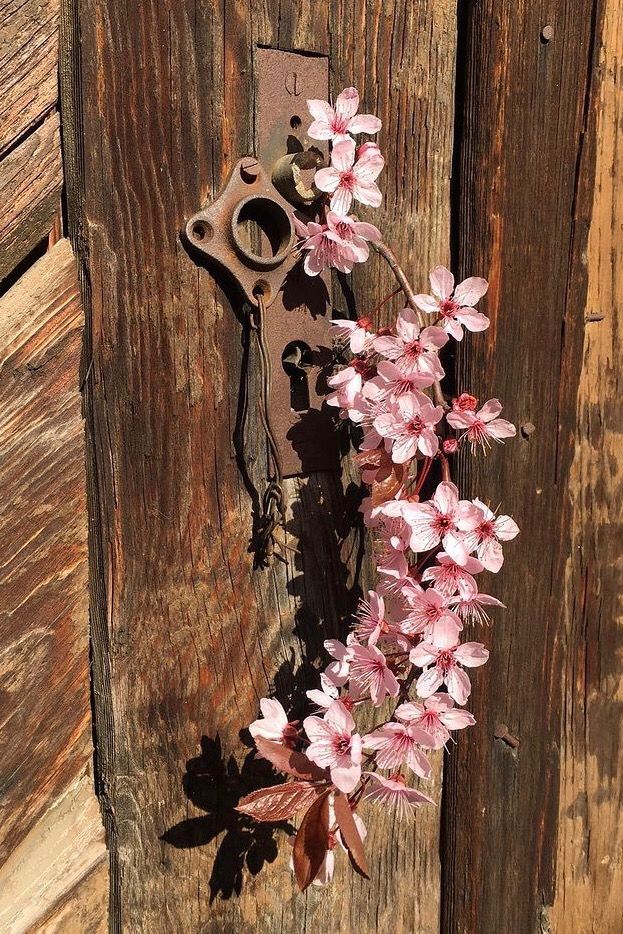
point(279, 802)
point(312, 842)
point(289, 761)
point(385, 488)
point(350, 834)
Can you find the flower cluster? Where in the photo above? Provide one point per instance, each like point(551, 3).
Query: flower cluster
point(406, 655)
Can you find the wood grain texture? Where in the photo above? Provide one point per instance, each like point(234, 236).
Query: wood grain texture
point(28, 65)
point(31, 177)
point(589, 890)
point(186, 635)
point(45, 723)
point(524, 202)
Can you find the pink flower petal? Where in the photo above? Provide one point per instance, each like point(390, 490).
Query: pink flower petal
point(470, 290)
point(427, 303)
point(364, 123)
point(366, 192)
point(474, 321)
point(320, 110)
point(347, 102)
point(441, 282)
point(342, 156)
point(471, 654)
point(327, 179)
point(458, 685)
point(320, 129)
point(428, 682)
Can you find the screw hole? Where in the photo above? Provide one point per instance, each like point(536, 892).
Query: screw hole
point(202, 231)
point(295, 122)
point(261, 289)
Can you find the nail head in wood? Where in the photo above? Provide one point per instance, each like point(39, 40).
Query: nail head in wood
point(547, 33)
point(527, 429)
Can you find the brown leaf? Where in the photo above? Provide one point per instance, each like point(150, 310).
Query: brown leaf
point(279, 802)
point(350, 834)
point(312, 842)
point(289, 761)
point(386, 488)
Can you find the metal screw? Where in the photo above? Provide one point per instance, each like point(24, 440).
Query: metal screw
point(502, 732)
point(527, 429)
point(547, 33)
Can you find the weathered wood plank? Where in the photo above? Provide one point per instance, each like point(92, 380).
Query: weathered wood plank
point(64, 847)
point(589, 889)
point(522, 220)
point(45, 723)
point(186, 635)
point(28, 65)
point(83, 910)
point(31, 177)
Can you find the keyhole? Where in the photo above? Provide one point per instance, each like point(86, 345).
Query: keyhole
point(297, 359)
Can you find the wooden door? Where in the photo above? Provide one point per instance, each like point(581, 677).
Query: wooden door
point(498, 130)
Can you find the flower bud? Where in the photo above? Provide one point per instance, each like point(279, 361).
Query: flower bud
point(465, 403)
point(450, 446)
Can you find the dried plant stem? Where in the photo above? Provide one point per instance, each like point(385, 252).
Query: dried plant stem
point(388, 255)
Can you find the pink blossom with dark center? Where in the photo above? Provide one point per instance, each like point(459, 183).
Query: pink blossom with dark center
point(396, 744)
point(448, 577)
point(334, 745)
point(435, 715)
point(410, 425)
point(324, 249)
point(357, 234)
point(455, 306)
point(348, 179)
point(445, 518)
point(414, 349)
point(489, 533)
point(484, 426)
point(369, 673)
point(442, 660)
point(359, 333)
point(428, 613)
point(338, 122)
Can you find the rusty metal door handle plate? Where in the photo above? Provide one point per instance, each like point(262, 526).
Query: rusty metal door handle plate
point(249, 231)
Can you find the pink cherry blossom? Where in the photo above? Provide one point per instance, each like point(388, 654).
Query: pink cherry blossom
point(455, 308)
point(489, 533)
point(394, 793)
point(337, 671)
point(370, 617)
point(483, 426)
point(398, 743)
point(359, 332)
point(347, 179)
point(470, 605)
point(273, 724)
point(334, 745)
point(414, 350)
point(369, 673)
point(357, 234)
point(428, 613)
point(392, 382)
point(347, 384)
point(446, 519)
point(410, 424)
point(324, 249)
point(336, 123)
point(323, 697)
point(448, 576)
point(442, 660)
point(436, 715)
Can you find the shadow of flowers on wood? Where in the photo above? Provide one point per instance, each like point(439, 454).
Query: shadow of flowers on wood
point(216, 785)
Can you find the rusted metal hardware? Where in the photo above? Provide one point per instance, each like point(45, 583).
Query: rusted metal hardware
point(298, 321)
point(249, 231)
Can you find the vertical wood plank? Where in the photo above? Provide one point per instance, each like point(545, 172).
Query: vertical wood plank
point(186, 634)
point(522, 221)
point(51, 834)
point(589, 889)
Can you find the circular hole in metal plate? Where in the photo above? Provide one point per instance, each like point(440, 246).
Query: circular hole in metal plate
point(262, 230)
point(201, 231)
